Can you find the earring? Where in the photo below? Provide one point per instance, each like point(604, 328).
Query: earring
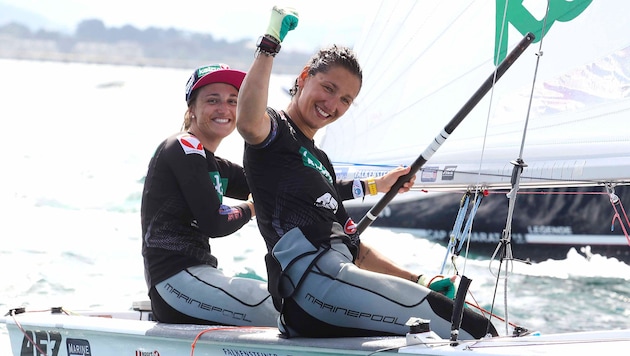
point(193, 117)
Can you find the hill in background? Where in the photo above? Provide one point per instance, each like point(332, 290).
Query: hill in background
point(93, 42)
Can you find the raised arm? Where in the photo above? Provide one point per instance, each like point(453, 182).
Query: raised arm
point(252, 121)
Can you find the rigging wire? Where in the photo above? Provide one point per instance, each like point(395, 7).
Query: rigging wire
point(459, 219)
point(491, 96)
point(379, 60)
point(504, 247)
point(615, 201)
point(382, 62)
point(400, 64)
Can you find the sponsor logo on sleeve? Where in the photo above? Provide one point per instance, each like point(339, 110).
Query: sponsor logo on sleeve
point(231, 213)
point(357, 189)
point(220, 184)
point(191, 145)
point(350, 227)
point(327, 201)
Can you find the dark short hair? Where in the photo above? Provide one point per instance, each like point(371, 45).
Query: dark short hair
point(329, 57)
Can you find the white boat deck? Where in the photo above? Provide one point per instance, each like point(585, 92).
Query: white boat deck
point(61, 334)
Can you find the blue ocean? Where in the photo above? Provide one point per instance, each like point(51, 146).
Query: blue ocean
point(77, 139)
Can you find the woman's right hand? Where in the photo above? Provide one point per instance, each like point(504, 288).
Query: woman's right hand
point(283, 20)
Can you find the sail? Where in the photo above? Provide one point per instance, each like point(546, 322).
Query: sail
point(562, 107)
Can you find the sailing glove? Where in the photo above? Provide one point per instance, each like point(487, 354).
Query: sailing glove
point(283, 20)
point(441, 285)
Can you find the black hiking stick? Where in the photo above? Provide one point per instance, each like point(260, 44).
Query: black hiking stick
point(372, 214)
point(458, 308)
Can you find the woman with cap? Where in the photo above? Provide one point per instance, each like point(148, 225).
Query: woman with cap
point(182, 207)
point(325, 281)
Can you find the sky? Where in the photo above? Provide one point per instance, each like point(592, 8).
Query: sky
point(322, 22)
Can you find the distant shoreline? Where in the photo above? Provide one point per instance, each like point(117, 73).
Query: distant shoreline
point(109, 60)
point(131, 54)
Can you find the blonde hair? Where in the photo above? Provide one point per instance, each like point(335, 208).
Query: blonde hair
point(187, 120)
point(188, 115)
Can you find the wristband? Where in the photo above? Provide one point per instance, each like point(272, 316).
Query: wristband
point(372, 186)
point(422, 280)
point(357, 189)
point(268, 45)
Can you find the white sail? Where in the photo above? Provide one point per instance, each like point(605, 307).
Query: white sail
point(423, 60)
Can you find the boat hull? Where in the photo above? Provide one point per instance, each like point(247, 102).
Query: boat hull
point(57, 334)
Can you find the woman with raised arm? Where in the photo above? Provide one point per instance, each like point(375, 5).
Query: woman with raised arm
point(325, 281)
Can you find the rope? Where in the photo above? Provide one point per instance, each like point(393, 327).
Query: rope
point(471, 217)
point(26, 335)
point(461, 232)
point(456, 232)
point(219, 328)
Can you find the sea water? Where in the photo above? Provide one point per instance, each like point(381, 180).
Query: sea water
point(76, 141)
